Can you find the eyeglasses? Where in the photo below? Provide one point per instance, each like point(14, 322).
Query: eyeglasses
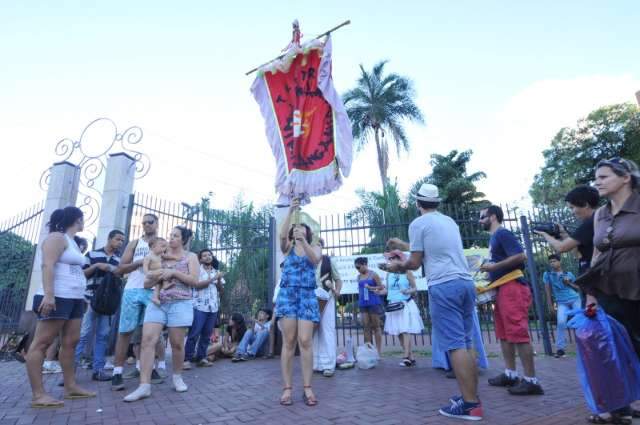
point(149, 222)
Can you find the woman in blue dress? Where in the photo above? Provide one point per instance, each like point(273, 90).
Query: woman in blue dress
point(296, 304)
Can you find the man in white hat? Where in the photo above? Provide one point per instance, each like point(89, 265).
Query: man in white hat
point(436, 244)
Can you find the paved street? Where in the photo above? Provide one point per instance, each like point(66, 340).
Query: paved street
point(248, 393)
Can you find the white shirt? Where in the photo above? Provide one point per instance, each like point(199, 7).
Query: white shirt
point(135, 280)
point(207, 299)
point(68, 277)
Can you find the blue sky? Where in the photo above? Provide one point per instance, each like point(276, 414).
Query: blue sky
point(497, 77)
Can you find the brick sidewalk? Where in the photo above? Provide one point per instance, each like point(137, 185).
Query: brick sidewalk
point(248, 393)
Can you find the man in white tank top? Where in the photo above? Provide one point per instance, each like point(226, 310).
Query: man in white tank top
point(134, 300)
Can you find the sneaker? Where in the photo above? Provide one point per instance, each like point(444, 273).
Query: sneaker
point(237, 358)
point(85, 363)
point(186, 365)
point(503, 380)
point(462, 410)
point(131, 374)
point(143, 391)
point(51, 367)
point(328, 373)
point(162, 372)
point(560, 354)
point(100, 376)
point(525, 387)
point(156, 378)
point(131, 360)
point(117, 384)
point(204, 363)
point(179, 384)
point(108, 366)
point(245, 357)
point(406, 362)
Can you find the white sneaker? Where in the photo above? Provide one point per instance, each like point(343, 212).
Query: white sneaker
point(143, 391)
point(108, 366)
point(186, 365)
point(51, 367)
point(179, 384)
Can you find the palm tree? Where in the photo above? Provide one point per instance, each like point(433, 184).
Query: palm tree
point(378, 106)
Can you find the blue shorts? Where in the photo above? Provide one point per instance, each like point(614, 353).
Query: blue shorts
point(134, 302)
point(66, 308)
point(452, 306)
point(174, 314)
point(294, 302)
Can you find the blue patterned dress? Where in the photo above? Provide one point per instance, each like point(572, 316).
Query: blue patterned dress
point(297, 297)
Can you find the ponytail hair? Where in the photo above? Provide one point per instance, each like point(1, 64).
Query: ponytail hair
point(63, 218)
point(185, 234)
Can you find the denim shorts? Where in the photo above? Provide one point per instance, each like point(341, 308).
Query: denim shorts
point(174, 314)
point(66, 308)
point(134, 302)
point(452, 306)
point(294, 302)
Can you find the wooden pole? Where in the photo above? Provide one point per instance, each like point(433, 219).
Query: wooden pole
point(337, 27)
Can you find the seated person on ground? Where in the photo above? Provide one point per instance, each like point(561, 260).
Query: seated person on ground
point(254, 341)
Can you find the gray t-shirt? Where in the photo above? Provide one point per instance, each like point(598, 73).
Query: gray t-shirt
point(438, 237)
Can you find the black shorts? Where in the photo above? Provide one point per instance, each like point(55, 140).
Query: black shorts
point(66, 308)
point(373, 309)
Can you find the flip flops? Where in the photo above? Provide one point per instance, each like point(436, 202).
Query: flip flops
point(47, 404)
point(76, 396)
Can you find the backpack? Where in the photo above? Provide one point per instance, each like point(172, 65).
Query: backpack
point(325, 270)
point(107, 295)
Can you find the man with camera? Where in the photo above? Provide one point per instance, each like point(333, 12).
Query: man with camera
point(583, 201)
point(566, 295)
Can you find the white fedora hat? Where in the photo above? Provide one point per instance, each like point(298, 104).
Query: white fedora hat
point(427, 193)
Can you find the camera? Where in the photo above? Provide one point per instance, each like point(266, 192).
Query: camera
point(550, 228)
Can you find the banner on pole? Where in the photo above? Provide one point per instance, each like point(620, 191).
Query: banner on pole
point(306, 123)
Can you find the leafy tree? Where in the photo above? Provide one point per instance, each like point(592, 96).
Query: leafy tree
point(607, 132)
point(15, 261)
point(449, 173)
point(240, 237)
point(379, 106)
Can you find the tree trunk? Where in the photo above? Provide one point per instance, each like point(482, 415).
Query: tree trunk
point(383, 160)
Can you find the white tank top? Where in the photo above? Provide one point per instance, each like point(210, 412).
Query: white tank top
point(68, 277)
point(136, 277)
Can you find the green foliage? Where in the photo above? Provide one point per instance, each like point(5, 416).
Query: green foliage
point(240, 237)
point(449, 173)
point(607, 132)
point(15, 261)
point(378, 106)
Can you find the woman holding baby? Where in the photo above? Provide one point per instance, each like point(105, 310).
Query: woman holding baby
point(179, 273)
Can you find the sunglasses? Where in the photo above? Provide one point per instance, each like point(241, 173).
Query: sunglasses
point(616, 162)
point(149, 222)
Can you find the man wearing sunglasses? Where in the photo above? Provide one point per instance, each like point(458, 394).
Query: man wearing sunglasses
point(134, 300)
point(511, 310)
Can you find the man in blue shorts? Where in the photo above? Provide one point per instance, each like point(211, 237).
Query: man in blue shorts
point(436, 245)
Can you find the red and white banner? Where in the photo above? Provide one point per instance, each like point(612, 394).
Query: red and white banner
point(306, 122)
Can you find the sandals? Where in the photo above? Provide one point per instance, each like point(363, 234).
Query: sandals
point(406, 362)
point(286, 401)
point(614, 419)
point(309, 401)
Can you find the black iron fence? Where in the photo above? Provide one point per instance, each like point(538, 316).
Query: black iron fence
point(348, 235)
point(18, 243)
point(240, 239)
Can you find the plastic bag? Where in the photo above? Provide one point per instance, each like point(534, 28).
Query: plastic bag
point(608, 366)
point(367, 356)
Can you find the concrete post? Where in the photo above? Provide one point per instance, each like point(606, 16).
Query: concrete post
point(118, 186)
point(62, 192)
